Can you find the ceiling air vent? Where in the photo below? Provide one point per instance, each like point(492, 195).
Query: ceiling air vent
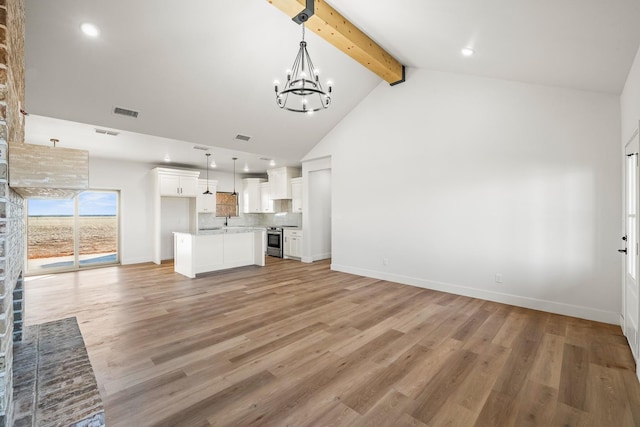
point(107, 132)
point(124, 112)
point(200, 147)
point(241, 137)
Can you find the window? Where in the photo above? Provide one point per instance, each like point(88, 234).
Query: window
point(74, 233)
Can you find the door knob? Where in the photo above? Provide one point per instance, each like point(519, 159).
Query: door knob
point(624, 238)
point(622, 251)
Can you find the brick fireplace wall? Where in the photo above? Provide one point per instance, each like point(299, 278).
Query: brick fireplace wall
point(12, 229)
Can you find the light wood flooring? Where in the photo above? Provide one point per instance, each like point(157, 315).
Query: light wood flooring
point(295, 344)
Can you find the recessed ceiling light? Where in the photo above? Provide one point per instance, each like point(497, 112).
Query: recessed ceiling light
point(272, 163)
point(90, 29)
point(167, 158)
point(467, 51)
point(246, 168)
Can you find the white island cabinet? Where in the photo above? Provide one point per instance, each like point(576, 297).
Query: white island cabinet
point(217, 250)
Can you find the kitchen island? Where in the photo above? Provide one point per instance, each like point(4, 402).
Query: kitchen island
point(217, 249)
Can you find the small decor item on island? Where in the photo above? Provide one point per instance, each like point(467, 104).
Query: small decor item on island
point(303, 85)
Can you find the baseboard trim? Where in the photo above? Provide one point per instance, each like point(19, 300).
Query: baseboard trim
point(526, 302)
point(315, 258)
point(135, 261)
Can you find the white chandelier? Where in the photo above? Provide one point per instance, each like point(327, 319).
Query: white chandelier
point(303, 92)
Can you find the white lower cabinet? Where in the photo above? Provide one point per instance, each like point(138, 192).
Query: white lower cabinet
point(292, 247)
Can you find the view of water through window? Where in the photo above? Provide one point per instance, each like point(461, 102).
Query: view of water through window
point(71, 233)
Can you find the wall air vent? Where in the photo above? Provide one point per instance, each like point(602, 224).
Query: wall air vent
point(243, 138)
point(200, 147)
point(107, 132)
point(124, 112)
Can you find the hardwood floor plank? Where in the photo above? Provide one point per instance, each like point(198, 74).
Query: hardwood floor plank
point(297, 344)
point(498, 410)
point(388, 411)
point(199, 411)
point(363, 398)
point(574, 375)
point(517, 368)
point(444, 383)
point(475, 389)
point(607, 408)
point(538, 405)
point(632, 394)
point(418, 378)
point(471, 325)
point(548, 363)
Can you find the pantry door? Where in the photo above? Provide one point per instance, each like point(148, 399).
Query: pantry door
point(631, 300)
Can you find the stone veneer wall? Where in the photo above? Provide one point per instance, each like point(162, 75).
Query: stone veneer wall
point(11, 204)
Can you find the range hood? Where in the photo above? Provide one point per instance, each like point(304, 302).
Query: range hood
point(40, 171)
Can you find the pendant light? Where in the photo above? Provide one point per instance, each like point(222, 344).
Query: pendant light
point(207, 192)
point(234, 176)
point(234, 186)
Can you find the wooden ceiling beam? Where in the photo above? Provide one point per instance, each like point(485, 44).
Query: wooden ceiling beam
point(337, 30)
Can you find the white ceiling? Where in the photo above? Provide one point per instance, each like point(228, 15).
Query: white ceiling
point(200, 72)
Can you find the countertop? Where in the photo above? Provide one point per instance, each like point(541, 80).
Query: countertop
point(223, 230)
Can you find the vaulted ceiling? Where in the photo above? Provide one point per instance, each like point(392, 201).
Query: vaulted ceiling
point(202, 71)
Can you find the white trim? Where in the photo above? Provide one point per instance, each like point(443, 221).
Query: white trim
point(135, 261)
point(532, 303)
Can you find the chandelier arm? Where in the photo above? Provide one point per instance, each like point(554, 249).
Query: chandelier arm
point(312, 70)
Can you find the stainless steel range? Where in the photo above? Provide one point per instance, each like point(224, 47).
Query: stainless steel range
point(274, 241)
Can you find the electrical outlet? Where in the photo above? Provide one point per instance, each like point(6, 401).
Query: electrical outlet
point(385, 261)
point(498, 277)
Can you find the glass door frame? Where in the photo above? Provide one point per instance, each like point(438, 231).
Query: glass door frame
point(76, 263)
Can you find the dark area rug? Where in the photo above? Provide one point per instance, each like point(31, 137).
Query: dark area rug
point(54, 384)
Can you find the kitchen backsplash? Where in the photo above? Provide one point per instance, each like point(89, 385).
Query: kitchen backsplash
point(206, 220)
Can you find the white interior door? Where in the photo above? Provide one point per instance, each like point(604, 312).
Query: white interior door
point(631, 301)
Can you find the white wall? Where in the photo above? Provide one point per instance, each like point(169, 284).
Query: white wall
point(134, 183)
point(630, 101)
point(454, 179)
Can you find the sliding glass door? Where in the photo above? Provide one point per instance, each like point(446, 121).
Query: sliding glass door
point(70, 234)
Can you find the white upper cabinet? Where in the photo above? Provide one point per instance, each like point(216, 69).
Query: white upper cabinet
point(280, 181)
point(251, 195)
point(177, 183)
point(296, 195)
point(206, 203)
point(265, 197)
